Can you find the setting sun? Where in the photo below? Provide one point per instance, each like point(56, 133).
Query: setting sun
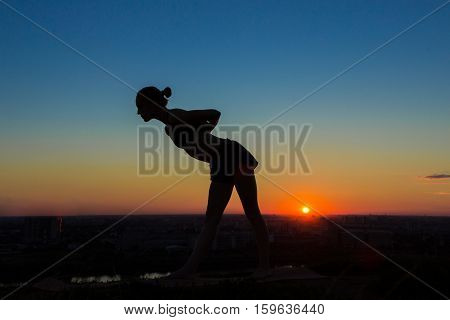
point(305, 210)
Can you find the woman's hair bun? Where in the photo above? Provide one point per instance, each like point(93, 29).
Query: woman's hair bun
point(167, 92)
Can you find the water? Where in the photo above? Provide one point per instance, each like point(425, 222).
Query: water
point(96, 279)
point(154, 275)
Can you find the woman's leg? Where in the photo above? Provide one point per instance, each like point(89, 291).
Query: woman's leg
point(219, 195)
point(247, 190)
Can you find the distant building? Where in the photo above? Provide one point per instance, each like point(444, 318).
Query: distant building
point(42, 230)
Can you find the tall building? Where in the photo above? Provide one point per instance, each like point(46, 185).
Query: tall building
point(42, 230)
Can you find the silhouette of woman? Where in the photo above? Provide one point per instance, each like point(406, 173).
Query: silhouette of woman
point(230, 163)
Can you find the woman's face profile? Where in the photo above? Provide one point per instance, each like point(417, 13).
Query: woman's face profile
point(144, 113)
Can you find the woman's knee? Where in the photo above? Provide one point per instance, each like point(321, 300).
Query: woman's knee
point(253, 213)
point(212, 219)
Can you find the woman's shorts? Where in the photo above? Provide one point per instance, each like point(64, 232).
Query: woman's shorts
point(230, 159)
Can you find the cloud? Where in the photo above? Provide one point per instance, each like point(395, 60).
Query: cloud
point(438, 176)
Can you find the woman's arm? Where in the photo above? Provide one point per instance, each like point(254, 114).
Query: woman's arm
point(208, 116)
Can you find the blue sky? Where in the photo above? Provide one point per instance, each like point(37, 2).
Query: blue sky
point(234, 55)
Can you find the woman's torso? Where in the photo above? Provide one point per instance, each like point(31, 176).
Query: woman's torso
point(192, 135)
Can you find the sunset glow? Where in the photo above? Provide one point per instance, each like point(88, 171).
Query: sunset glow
point(378, 139)
point(306, 210)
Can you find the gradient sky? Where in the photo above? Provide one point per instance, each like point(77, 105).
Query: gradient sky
point(68, 130)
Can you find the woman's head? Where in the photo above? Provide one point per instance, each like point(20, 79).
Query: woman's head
point(151, 101)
